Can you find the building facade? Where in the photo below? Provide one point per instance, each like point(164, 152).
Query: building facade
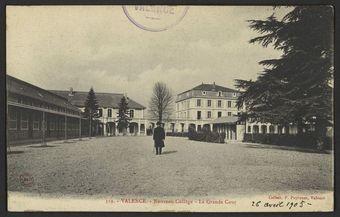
point(108, 110)
point(38, 115)
point(208, 106)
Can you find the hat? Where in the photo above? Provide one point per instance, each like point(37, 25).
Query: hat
point(158, 123)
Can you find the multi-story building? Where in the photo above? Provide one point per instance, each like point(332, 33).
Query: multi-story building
point(208, 106)
point(108, 110)
point(214, 107)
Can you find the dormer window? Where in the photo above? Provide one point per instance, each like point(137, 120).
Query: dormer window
point(204, 93)
point(219, 93)
point(234, 94)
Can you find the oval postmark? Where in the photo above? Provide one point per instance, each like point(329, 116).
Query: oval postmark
point(155, 18)
point(26, 179)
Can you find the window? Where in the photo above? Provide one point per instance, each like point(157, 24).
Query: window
point(229, 113)
point(12, 122)
point(219, 93)
point(209, 114)
point(209, 103)
point(36, 122)
point(199, 127)
point(132, 113)
point(198, 103)
point(249, 129)
point(24, 121)
point(100, 112)
point(204, 93)
point(199, 115)
point(234, 94)
point(219, 103)
point(219, 114)
point(109, 113)
point(229, 104)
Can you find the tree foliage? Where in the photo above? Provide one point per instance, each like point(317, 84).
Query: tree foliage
point(161, 102)
point(123, 115)
point(297, 87)
point(91, 105)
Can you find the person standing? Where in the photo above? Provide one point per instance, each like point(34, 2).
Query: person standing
point(158, 137)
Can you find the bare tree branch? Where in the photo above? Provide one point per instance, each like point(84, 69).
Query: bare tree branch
point(161, 102)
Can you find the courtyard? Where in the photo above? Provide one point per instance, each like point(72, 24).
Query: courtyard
point(123, 166)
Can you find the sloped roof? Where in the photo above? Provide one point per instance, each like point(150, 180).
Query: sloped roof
point(225, 120)
point(112, 100)
point(17, 86)
point(213, 87)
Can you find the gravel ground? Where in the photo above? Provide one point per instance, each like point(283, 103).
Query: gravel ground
point(115, 166)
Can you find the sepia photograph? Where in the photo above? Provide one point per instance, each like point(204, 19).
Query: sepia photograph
point(165, 108)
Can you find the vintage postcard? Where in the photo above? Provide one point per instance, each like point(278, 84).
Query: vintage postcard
point(164, 108)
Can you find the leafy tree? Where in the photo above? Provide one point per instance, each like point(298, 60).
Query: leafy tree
point(297, 87)
point(91, 108)
point(161, 102)
point(123, 115)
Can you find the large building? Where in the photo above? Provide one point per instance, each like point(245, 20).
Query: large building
point(108, 110)
point(37, 115)
point(208, 106)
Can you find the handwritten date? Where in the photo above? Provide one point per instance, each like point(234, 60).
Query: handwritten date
point(288, 204)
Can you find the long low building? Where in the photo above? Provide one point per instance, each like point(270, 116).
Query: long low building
point(35, 114)
point(108, 109)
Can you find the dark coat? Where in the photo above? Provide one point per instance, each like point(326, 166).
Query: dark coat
point(159, 136)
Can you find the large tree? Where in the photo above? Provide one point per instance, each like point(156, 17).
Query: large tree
point(297, 87)
point(91, 108)
point(161, 102)
point(123, 115)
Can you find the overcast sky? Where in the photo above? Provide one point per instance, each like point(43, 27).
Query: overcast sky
point(62, 47)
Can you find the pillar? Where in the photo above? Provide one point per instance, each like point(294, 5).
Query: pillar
point(79, 128)
point(43, 126)
point(138, 127)
point(116, 129)
point(105, 125)
point(65, 130)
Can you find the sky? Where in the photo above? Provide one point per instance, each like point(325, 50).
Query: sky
point(59, 47)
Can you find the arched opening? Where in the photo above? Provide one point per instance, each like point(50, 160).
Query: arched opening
point(133, 127)
point(110, 128)
point(149, 131)
point(172, 127)
point(271, 129)
point(142, 128)
point(264, 129)
point(255, 129)
point(206, 127)
point(192, 127)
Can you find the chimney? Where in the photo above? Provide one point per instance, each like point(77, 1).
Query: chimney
point(213, 86)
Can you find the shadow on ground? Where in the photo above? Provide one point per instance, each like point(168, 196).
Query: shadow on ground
point(288, 149)
point(42, 146)
point(15, 152)
point(169, 152)
point(67, 141)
